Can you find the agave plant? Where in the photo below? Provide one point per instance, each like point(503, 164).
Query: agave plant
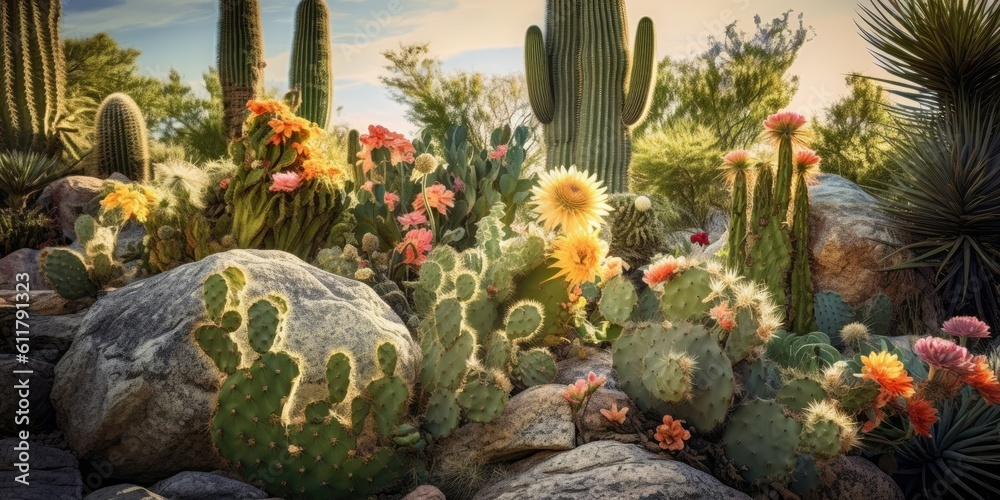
point(942, 55)
point(961, 459)
point(25, 173)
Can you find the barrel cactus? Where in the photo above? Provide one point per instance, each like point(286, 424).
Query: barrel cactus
point(122, 142)
point(580, 87)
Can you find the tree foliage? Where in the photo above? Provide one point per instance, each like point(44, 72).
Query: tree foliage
point(854, 137)
point(436, 99)
point(734, 85)
point(680, 162)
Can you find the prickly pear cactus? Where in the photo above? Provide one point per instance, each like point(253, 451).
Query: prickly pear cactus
point(67, 272)
point(762, 442)
point(327, 455)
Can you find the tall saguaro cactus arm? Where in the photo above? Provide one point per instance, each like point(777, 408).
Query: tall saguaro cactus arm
point(583, 88)
point(241, 60)
point(536, 63)
point(640, 85)
point(312, 61)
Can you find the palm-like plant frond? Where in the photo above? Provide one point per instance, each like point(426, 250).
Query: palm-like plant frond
point(25, 173)
point(943, 55)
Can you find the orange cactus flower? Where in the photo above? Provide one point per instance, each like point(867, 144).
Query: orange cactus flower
point(614, 414)
point(723, 315)
point(887, 371)
point(671, 435)
point(664, 271)
point(984, 380)
point(922, 415)
point(438, 197)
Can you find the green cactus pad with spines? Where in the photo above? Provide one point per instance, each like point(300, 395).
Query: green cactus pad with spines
point(475, 260)
point(406, 435)
point(665, 377)
point(534, 367)
point(821, 438)
point(876, 314)
point(361, 408)
point(743, 339)
point(763, 380)
point(805, 477)
point(832, 313)
point(448, 319)
point(67, 272)
point(481, 316)
point(216, 343)
point(443, 413)
point(762, 442)
point(647, 308)
point(684, 295)
point(772, 259)
point(389, 397)
point(454, 360)
point(263, 321)
point(216, 296)
point(466, 285)
point(482, 401)
point(618, 299)
point(431, 276)
point(799, 393)
point(524, 321)
point(387, 358)
point(85, 228)
point(712, 382)
point(237, 281)
point(231, 321)
point(122, 143)
point(498, 351)
point(338, 377)
point(445, 256)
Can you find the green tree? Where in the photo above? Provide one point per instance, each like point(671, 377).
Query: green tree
point(681, 162)
point(96, 67)
point(192, 122)
point(855, 136)
point(734, 85)
point(436, 99)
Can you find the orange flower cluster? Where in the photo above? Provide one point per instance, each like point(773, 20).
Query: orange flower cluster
point(887, 371)
point(671, 435)
point(291, 132)
point(401, 150)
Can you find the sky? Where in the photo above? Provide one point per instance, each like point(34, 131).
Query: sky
point(471, 35)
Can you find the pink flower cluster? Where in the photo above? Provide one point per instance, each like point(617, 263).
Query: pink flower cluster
point(579, 392)
point(400, 149)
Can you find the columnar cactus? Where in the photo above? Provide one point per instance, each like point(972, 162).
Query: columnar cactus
point(736, 170)
point(353, 148)
point(32, 76)
point(241, 61)
point(122, 142)
point(322, 456)
point(311, 68)
point(580, 87)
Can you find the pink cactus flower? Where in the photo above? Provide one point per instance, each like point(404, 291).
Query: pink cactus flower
point(368, 186)
point(457, 184)
point(595, 381)
point(739, 158)
point(224, 183)
point(701, 239)
point(391, 199)
point(615, 415)
point(415, 246)
point(576, 392)
point(499, 153)
point(966, 326)
point(285, 182)
point(945, 355)
point(412, 219)
point(785, 125)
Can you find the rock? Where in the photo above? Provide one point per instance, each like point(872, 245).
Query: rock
point(54, 473)
point(536, 419)
point(607, 469)
point(69, 197)
point(425, 492)
point(43, 303)
point(129, 245)
point(54, 332)
point(851, 242)
point(135, 390)
point(124, 492)
point(40, 413)
point(20, 261)
point(205, 486)
point(853, 478)
point(597, 427)
point(574, 367)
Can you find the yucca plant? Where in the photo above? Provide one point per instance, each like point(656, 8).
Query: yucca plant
point(942, 55)
point(961, 459)
point(25, 173)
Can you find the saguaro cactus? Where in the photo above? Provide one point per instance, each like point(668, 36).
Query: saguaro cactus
point(580, 88)
point(32, 75)
point(311, 67)
point(241, 61)
point(122, 145)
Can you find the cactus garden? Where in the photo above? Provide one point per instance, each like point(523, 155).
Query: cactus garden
point(582, 258)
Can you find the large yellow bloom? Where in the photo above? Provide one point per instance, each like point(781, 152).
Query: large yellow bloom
point(578, 257)
point(569, 199)
point(887, 370)
point(133, 202)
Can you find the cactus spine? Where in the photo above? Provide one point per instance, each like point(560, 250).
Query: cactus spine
point(580, 87)
point(122, 144)
point(311, 67)
point(33, 77)
point(241, 61)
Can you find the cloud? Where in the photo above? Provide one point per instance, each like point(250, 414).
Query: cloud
point(120, 16)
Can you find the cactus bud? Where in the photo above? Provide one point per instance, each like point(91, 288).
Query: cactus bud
point(643, 204)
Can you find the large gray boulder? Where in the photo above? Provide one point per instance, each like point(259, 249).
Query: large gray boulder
point(70, 196)
point(205, 486)
point(137, 391)
point(608, 469)
point(851, 242)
